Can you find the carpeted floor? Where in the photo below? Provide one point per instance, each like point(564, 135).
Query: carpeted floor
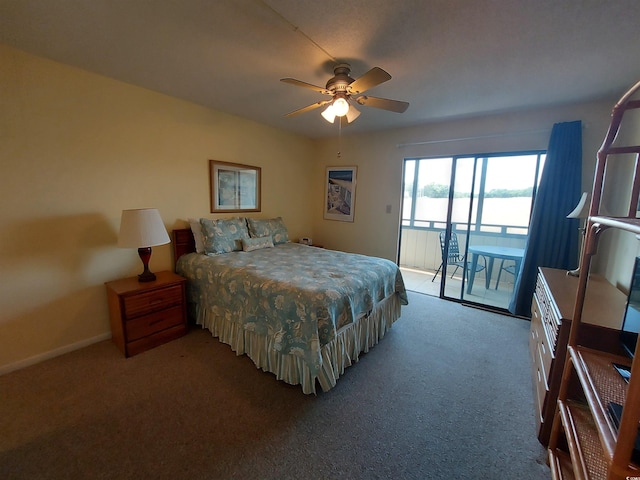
point(445, 395)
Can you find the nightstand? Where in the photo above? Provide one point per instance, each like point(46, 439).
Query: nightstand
point(144, 315)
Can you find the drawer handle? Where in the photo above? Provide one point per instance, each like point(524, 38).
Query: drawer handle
point(544, 349)
point(156, 302)
point(156, 321)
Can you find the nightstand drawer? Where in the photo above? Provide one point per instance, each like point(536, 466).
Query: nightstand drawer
point(154, 322)
point(148, 302)
point(145, 343)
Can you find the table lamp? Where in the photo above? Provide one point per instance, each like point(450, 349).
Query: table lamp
point(142, 229)
point(581, 212)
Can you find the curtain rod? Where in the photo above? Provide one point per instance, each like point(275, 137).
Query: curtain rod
point(428, 142)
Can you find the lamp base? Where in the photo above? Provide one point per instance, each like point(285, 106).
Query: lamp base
point(147, 275)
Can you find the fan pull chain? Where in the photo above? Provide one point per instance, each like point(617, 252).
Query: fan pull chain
point(339, 136)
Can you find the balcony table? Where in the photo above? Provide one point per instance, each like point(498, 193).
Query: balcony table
point(491, 252)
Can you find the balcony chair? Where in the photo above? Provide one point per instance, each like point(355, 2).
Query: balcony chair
point(509, 269)
point(454, 258)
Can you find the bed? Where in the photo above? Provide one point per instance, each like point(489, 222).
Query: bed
point(300, 312)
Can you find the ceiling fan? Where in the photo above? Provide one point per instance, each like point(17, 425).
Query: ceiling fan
point(346, 91)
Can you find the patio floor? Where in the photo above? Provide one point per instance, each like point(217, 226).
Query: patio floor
point(420, 281)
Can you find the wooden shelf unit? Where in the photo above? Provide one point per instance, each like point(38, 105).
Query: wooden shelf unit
point(551, 312)
point(584, 443)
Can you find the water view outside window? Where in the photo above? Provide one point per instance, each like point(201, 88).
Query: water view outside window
point(502, 187)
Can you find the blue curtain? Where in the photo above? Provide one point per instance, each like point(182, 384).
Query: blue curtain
point(553, 238)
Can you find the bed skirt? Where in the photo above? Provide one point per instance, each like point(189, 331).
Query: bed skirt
point(340, 353)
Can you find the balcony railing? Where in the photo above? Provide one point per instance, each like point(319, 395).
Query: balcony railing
point(420, 245)
point(482, 229)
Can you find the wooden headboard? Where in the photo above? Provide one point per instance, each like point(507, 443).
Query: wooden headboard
point(183, 242)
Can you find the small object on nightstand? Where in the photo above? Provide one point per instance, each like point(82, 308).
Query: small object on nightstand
point(307, 241)
point(142, 228)
point(145, 315)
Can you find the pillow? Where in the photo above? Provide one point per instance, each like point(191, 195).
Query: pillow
point(274, 227)
point(198, 235)
point(223, 235)
point(256, 243)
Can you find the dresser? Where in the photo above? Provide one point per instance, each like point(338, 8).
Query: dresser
point(551, 311)
point(144, 315)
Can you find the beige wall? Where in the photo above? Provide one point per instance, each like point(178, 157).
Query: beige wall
point(379, 157)
point(75, 150)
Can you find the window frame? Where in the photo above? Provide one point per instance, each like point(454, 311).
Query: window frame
point(475, 227)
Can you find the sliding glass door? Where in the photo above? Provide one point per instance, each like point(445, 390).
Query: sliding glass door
point(462, 207)
point(473, 212)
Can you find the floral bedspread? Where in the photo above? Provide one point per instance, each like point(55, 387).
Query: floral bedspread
point(298, 295)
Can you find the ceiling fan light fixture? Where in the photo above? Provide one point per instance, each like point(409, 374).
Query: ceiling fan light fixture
point(340, 107)
point(352, 114)
point(345, 91)
point(329, 114)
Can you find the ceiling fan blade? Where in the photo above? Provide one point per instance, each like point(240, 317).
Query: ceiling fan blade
point(373, 77)
point(307, 108)
point(383, 103)
point(298, 83)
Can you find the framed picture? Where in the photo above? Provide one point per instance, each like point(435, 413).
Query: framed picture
point(340, 191)
point(234, 187)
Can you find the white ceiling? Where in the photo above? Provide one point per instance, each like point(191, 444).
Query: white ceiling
point(448, 58)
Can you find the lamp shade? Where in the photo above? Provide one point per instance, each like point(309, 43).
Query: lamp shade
point(352, 114)
point(340, 107)
point(142, 228)
point(329, 114)
point(582, 209)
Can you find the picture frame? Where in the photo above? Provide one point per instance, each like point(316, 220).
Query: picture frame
point(340, 193)
point(234, 187)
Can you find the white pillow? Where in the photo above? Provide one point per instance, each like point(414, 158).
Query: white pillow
point(198, 236)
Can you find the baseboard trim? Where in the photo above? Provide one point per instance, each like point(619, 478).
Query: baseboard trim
point(27, 362)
